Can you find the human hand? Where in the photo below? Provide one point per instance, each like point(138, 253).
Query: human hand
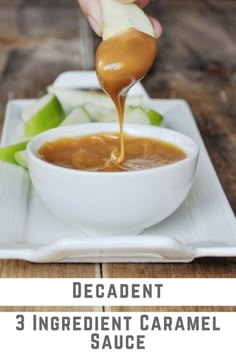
point(92, 11)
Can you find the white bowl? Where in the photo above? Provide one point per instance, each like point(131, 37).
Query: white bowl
point(113, 203)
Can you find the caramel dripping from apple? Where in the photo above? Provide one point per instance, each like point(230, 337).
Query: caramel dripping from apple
point(121, 61)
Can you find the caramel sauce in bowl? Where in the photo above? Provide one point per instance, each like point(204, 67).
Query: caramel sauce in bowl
point(121, 61)
point(92, 152)
point(112, 203)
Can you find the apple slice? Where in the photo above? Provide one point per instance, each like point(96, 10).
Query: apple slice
point(71, 98)
point(137, 115)
point(46, 113)
point(155, 117)
point(100, 114)
point(118, 17)
point(7, 153)
point(78, 116)
point(142, 115)
point(21, 158)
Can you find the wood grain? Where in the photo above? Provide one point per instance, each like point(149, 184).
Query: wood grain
point(196, 62)
point(50, 309)
point(23, 269)
point(146, 308)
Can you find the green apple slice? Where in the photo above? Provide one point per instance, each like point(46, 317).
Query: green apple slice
point(46, 113)
point(78, 116)
point(7, 153)
point(71, 98)
point(101, 114)
point(142, 115)
point(137, 115)
point(118, 17)
point(155, 117)
point(21, 158)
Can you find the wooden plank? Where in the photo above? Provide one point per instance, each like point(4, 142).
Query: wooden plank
point(171, 309)
point(48, 19)
point(22, 269)
point(200, 268)
point(78, 309)
point(8, 20)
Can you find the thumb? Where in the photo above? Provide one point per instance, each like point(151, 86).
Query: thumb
point(92, 11)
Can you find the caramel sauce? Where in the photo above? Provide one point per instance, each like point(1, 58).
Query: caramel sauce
point(121, 61)
point(92, 153)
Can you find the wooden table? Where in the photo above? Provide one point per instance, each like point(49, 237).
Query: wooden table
point(39, 40)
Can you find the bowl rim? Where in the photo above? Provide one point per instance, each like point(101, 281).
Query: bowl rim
point(107, 128)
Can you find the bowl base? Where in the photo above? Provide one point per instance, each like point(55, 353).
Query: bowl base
point(107, 233)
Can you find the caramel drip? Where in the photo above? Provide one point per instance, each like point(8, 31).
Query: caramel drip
point(121, 61)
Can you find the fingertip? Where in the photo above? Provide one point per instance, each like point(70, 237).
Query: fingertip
point(157, 26)
point(142, 3)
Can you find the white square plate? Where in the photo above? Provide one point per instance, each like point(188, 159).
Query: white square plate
point(203, 226)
